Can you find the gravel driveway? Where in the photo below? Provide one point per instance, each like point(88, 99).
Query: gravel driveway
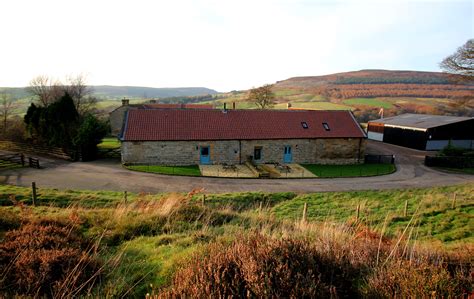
point(109, 175)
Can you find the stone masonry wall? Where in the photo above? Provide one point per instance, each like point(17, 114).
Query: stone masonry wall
point(305, 151)
point(116, 119)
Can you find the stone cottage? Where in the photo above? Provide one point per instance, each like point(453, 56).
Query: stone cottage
point(204, 136)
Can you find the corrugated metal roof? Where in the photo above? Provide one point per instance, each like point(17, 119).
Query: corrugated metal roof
point(207, 124)
point(420, 121)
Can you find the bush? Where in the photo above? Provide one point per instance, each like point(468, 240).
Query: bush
point(452, 151)
point(45, 259)
point(258, 266)
point(417, 280)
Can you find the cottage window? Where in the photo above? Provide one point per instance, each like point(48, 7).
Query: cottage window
point(257, 153)
point(326, 126)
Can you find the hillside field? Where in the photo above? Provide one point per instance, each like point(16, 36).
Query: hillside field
point(155, 243)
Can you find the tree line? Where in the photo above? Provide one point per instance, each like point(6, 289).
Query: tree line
point(60, 115)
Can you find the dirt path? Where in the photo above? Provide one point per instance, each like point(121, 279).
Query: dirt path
point(109, 175)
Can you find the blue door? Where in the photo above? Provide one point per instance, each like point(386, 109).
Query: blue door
point(288, 154)
point(205, 157)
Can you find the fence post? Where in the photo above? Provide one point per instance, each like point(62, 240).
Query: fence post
point(357, 212)
point(260, 207)
point(22, 158)
point(454, 201)
point(305, 210)
point(125, 196)
point(33, 194)
point(203, 200)
point(406, 208)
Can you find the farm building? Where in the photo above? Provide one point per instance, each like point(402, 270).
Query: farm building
point(117, 115)
point(210, 136)
point(423, 132)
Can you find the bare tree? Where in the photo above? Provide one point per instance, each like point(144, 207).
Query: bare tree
point(461, 62)
point(6, 107)
point(48, 91)
point(81, 93)
point(262, 96)
point(45, 89)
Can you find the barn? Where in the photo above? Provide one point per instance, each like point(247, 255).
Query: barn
point(211, 136)
point(423, 132)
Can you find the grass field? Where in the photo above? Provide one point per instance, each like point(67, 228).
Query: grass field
point(373, 102)
point(434, 216)
point(109, 143)
point(145, 240)
point(356, 170)
point(192, 170)
point(314, 106)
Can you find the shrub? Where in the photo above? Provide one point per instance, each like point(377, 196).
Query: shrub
point(405, 279)
point(45, 259)
point(258, 266)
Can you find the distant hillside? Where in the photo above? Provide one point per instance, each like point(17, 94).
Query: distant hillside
point(366, 91)
point(150, 92)
point(106, 91)
point(370, 77)
point(380, 83)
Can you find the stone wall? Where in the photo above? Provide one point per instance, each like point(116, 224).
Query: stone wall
point(178, 152)
point(305, 151)
point(116, 119)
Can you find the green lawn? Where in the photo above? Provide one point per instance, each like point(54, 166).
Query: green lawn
point(109, 143)
point(192, 170)
point(356, 170)
point(368, 102)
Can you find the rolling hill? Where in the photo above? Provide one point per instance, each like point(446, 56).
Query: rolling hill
point(366, 91)
point(114, 92)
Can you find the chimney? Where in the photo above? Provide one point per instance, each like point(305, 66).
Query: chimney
point(233, 105)
point(288, 105)
point(125, 102)
point(153, 101)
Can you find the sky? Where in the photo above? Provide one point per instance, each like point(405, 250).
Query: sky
point(224, 45)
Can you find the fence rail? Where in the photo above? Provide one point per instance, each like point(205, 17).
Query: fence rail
point(35, 149)
point(12, 160)
point(379, 159)
point(451, 162)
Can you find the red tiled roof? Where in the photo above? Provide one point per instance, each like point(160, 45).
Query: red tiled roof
point(191, 124)
point(178, 106)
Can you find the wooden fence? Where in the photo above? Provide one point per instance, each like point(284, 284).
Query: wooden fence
point(34, 149)
point(12, 160)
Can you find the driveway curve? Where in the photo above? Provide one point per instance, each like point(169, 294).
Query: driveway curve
point(109, 175)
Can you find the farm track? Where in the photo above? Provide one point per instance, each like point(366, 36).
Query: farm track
point(109, 175)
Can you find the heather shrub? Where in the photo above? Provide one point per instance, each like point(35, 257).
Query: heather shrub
point(46, 259)
point(407, 279)
point(259, 266)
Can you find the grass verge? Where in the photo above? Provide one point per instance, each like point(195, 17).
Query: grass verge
point(109, 143)
point(457, 170)
point(191, 170)
point(434, 214)
point(355, 170)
